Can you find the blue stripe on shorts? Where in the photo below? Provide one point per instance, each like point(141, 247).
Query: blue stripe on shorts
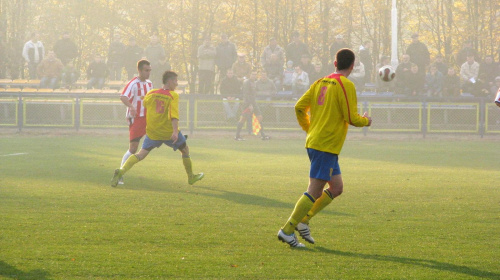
point(323, 165)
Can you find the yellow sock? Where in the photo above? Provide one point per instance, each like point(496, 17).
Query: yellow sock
point(133, 159)
point(325, 199)
point(303, 205)
point(188, 165)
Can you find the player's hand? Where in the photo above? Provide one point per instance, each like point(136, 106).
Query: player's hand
point(174, 137)
point(133, 112)
point(365, 115)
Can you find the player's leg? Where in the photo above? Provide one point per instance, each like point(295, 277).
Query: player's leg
point(132, 149)
point(147, 146)
point(303, 205)
point(137, 129)
point(241, 122)
point(182, 146)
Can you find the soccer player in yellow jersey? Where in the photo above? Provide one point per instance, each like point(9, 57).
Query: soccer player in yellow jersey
point(162, 127)
point(325, 111)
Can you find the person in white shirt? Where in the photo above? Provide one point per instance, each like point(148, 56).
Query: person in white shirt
point(468, 75)
point(300, 81)
point(33, 54)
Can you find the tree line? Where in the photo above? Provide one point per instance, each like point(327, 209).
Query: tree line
point(181, 25)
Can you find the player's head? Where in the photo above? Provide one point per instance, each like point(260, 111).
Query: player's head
point(144, 69)
point(344, 59)
point(169, 80)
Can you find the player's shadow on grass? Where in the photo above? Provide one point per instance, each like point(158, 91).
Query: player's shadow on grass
point(8, 271)
point(416, 262)
point(256, 200)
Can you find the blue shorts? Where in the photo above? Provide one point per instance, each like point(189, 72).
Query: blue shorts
point(149, 144)
point(323, 165)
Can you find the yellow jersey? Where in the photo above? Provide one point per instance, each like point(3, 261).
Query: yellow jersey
point(325, 112)
point(161, 107)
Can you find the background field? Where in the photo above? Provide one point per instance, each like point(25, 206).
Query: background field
point(411, 209)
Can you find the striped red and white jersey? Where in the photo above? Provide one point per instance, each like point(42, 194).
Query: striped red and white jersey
point(135, 91)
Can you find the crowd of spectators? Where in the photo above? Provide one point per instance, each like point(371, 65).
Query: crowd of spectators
point(282, 71)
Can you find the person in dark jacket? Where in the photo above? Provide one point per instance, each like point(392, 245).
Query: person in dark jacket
point(97, 73)
point(225, 55)
point(133, 53)
point(65, 49)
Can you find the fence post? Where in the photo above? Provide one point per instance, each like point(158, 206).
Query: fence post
point(424, 117)
point(482, 117)
point(77, 113)
point(20, 113)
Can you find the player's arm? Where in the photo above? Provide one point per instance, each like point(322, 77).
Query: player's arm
point(126, 102)
point(302, 108)
point(350, 108)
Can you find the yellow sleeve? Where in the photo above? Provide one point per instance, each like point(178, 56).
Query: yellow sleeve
point(174, 106)
point(302, 108)
point(350, 107)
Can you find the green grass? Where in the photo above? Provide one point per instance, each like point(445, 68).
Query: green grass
point(418, 209)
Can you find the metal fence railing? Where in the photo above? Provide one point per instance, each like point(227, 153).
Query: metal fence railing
point(212, 112)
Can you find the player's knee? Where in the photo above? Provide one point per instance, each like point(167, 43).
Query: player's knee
point(336, 190)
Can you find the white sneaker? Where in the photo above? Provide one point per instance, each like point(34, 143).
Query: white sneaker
point(305, 232)
point(120, 181)
point(290, 239)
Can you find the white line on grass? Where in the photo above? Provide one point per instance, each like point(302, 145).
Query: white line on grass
point(17, 154)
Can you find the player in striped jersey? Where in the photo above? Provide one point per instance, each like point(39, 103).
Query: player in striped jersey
point(162, 128)
point(325, 111)
point(132, 96)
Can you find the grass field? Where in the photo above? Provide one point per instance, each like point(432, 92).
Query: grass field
point(418, 209)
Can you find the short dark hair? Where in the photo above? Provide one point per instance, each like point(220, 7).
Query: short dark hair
point(141, 63)
point(345, 58)
point(168, 75)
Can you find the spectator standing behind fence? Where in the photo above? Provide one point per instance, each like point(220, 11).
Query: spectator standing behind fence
point(274, 70)
point(288, 76)
point(358, 75)
point(33, 52)
point(316, 74)
point(155, 53)
point(300, 81)
point(3, 58)
point(416, 82)
point(338, 44)
point(161, 67)
point(296, 49)
point(69, 75)
point(434, 82)
point(469, 75)
point(419, 54)
point(230, 89)
point(132, 54)
point(488, 71)
point(440, 64)
point(305, 64)
point(272, 49)
point(49, 70)
point(206, 67)
point(115, 58)
point(265, 87)
point(97, 73)
point(462, 54)
point(241, 68)
point(365, 57)
point(225, 55)
point(381, 85)
point(65, 49)
point(451, 83)
point(402, 73)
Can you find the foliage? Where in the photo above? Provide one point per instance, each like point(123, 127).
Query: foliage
point(443, 25)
